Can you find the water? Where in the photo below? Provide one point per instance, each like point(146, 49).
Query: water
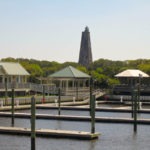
point(113, 136)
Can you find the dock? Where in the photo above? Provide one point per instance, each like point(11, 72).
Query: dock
point(50, 133)
point(78, 118)
point(98, 109)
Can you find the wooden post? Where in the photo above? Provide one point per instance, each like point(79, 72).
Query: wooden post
point(135, 112)
point(12, 108)
point(59, 101)
point(93, 114)
point(91, 89)
point(132, 102)
point(6, 92)
point(33, 117)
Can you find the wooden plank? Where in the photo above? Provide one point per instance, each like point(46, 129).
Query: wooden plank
point(50, 133)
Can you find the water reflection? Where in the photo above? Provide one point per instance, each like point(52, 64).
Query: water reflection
point(92, 145)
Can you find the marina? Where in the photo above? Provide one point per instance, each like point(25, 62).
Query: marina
point(75, 75)
point(113, 135)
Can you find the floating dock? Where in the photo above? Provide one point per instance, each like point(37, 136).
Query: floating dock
point(77, 118)
point(50, 133)
point(101, 109)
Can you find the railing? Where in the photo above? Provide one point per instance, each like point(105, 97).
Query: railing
point(123, 87)
point(48, 89)
point(75, 91)
point(16, 85)
point(29, 86)
point(128, 97)
point(39, 100)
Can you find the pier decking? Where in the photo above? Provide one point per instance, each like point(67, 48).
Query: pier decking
point(50, 133)
point(102, 109)
point(77, 118)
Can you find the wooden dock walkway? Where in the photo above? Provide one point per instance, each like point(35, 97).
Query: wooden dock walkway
point(103, 109)
point(77, 108)
point(77, 118)
point(50, 133)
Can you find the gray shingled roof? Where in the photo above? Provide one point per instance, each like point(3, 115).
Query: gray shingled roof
point(11, 68)
point(69, 72)
point(132, 73)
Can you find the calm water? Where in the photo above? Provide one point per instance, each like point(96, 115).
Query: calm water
point(113, 136)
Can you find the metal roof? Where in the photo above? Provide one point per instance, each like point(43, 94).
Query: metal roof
point(132, 73)
point(11, 68)
point(69, 72)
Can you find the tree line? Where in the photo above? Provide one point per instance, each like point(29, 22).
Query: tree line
point(102, 70)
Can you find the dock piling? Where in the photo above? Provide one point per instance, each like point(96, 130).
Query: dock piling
point(132, 104)
point(135, 110)
point(12, 108)
point(59, 99)
point(33, 117)
point(93, 114)
point(91, 91)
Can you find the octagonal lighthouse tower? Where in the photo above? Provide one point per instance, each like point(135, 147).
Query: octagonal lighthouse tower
point(85, 56)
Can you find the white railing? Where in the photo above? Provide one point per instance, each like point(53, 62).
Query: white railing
point(129, 97)
point(16, 85)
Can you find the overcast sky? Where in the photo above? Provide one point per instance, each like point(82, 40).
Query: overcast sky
point(51, 29)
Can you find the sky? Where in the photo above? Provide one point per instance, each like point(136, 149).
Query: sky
point(51, 29)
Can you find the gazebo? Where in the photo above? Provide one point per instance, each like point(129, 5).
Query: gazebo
point(130, 78)
point(70, 80)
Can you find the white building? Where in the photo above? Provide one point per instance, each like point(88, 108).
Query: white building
point(13, 75)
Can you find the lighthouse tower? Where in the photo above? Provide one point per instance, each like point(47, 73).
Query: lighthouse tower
point(85, 56)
